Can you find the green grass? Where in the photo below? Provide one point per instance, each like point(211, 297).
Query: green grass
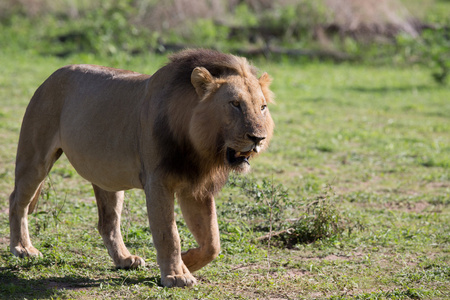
point(372, 141)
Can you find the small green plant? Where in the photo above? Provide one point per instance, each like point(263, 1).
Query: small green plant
point(288, 221)
point(52, 207)
point(320, 219)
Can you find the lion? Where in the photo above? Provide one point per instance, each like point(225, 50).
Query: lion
point(177, 133)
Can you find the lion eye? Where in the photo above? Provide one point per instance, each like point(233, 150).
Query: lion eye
point(263, 107)
point(235, 103)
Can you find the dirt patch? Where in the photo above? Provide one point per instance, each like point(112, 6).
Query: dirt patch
point(438, 185)
point(334, 257)
point(372, 184)
point(295, 273)
point(287, 273)
point(247, 267)
point(416, 207)
point(316, 295)
point(403, 206)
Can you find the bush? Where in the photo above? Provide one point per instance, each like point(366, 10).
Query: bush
point(431, 49)
point(268, 209)
point(320, 220)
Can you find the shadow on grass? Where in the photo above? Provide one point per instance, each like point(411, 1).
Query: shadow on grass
point(14, 287)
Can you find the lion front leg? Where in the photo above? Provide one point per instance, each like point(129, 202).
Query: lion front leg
point(109, 210)
point(200, 216)
point(160, 207)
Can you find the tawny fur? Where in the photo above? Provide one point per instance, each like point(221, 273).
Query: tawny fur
point(179, 132)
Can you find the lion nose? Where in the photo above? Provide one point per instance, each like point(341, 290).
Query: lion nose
point(255, 139)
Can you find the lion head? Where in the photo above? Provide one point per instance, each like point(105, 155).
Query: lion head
point(231, 120)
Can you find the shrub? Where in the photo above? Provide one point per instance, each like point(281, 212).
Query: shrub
point(268, 209)
point(431, 49)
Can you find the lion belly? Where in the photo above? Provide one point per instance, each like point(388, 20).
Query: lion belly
point(99, 128)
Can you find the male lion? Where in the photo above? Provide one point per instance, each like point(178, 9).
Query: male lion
point(179, 132)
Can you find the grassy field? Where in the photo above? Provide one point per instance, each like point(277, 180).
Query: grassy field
point(367, 147)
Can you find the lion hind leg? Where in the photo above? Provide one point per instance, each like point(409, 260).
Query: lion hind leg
point(201, 219)
point(109, 210)
point(31, 171)
point(20, 243)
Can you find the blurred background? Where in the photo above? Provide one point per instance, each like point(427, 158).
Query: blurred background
point(374, 31)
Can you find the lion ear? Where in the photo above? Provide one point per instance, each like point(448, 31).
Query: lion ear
point(265, 80)
point(201, 79)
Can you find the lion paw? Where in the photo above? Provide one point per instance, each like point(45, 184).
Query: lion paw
point(29, 251)
point(178, 280)
point(131, 262)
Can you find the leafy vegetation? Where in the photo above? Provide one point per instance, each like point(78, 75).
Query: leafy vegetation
point(286, 221)
point(350, 202)
point(393, 31)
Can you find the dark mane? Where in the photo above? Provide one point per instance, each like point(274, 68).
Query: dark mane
point(179, 158)
point(217, 63)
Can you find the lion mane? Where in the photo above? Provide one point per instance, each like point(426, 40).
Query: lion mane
point(206, 172)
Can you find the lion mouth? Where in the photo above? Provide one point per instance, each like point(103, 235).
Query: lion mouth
point(235, 158)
